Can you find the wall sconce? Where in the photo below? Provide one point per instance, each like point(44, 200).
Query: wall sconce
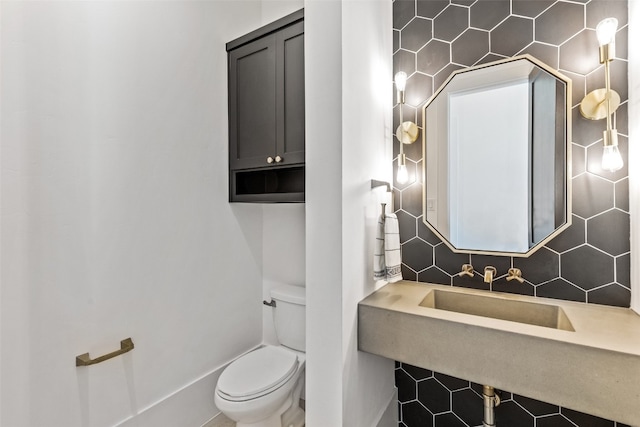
point(407, 132)
point(602, 103)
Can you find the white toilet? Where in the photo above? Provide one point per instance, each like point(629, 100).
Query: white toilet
point(263, 387)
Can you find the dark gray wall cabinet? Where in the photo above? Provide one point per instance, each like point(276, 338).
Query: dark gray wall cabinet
point(266, 113)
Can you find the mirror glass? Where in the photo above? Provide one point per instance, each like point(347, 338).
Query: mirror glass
point(496, 146)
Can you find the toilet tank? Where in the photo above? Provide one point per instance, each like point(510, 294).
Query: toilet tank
point(289, 315)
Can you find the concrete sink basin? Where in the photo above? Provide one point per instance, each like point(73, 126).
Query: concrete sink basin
point(531, 313)
point(579, 356)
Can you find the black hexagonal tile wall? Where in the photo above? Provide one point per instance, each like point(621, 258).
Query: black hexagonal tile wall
point(403, 12)
point(536, 407)
point(559, 22)
point(572, 53)
point(623, 270)
point(407, 390)
point(404, 60)
point(544, 52)
point(542, 266)
point(512, 414)
point(434, 275)
point(610, 295)
point(434, 56)
point(584, 419)
point(451, 22)
point(486, 14)
point(589, 261)
point(434, 395)
point(416, 372)
point(412, 35)
point(531, 8)
point(417, 254)
point(449, 420)
point(597, 10)
point(561, 289)
point(554, 421)
point(512, 35)
point(470, 47)
point(467, 405)
point(513, 287)
point(431, 8)
point(570, 237)
point(411, 200)
point(587, 267)
point(449, 261)
point(591, 195)
point(414, 414)
point(600, 228)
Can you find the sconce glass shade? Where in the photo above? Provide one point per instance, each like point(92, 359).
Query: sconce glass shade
point(403, 174)
point(401, 81)
point(611, 158)
point(606, 31)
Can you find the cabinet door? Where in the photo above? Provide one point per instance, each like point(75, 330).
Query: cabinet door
point(252, 104)
point(290, 75)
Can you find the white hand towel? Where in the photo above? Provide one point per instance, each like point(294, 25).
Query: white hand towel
point(387, 259)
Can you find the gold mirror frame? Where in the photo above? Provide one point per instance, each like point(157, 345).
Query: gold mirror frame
point(567, 163)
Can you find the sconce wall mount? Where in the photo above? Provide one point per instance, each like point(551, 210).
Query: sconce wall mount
point(602, 103)
point(594, 105)
point(407, 132)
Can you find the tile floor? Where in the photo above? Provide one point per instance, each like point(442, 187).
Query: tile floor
point(220, 421)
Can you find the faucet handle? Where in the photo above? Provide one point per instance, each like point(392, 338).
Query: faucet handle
point(467, 270)
point(515, 274)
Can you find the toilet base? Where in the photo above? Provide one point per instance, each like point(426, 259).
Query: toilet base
point(294, 417)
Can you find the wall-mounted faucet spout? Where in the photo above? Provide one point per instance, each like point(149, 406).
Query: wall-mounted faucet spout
point(489, 273)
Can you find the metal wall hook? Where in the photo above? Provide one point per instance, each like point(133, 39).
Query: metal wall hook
point(377, 183)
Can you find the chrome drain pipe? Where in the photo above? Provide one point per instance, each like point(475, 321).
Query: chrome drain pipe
point(491, 400)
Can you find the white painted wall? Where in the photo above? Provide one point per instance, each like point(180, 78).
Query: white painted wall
point(283, 228)
point(348, 92)
point(323, 181)
point(114, 219)
point(367, 380)
point(634, 153)
point(272, 10)
point(283, 249)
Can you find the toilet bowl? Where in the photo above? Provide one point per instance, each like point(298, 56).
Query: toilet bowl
point(262, 388)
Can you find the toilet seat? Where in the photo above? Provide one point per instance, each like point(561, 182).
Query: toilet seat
point(257, 373)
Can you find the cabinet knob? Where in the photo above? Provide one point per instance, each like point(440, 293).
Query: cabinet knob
point(279, 159)
point(269, 159)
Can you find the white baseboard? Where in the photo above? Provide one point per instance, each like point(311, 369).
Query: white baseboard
point(190, 406)
point(388, 417)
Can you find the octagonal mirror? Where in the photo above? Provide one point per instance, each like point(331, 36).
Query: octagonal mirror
point(497, 147)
